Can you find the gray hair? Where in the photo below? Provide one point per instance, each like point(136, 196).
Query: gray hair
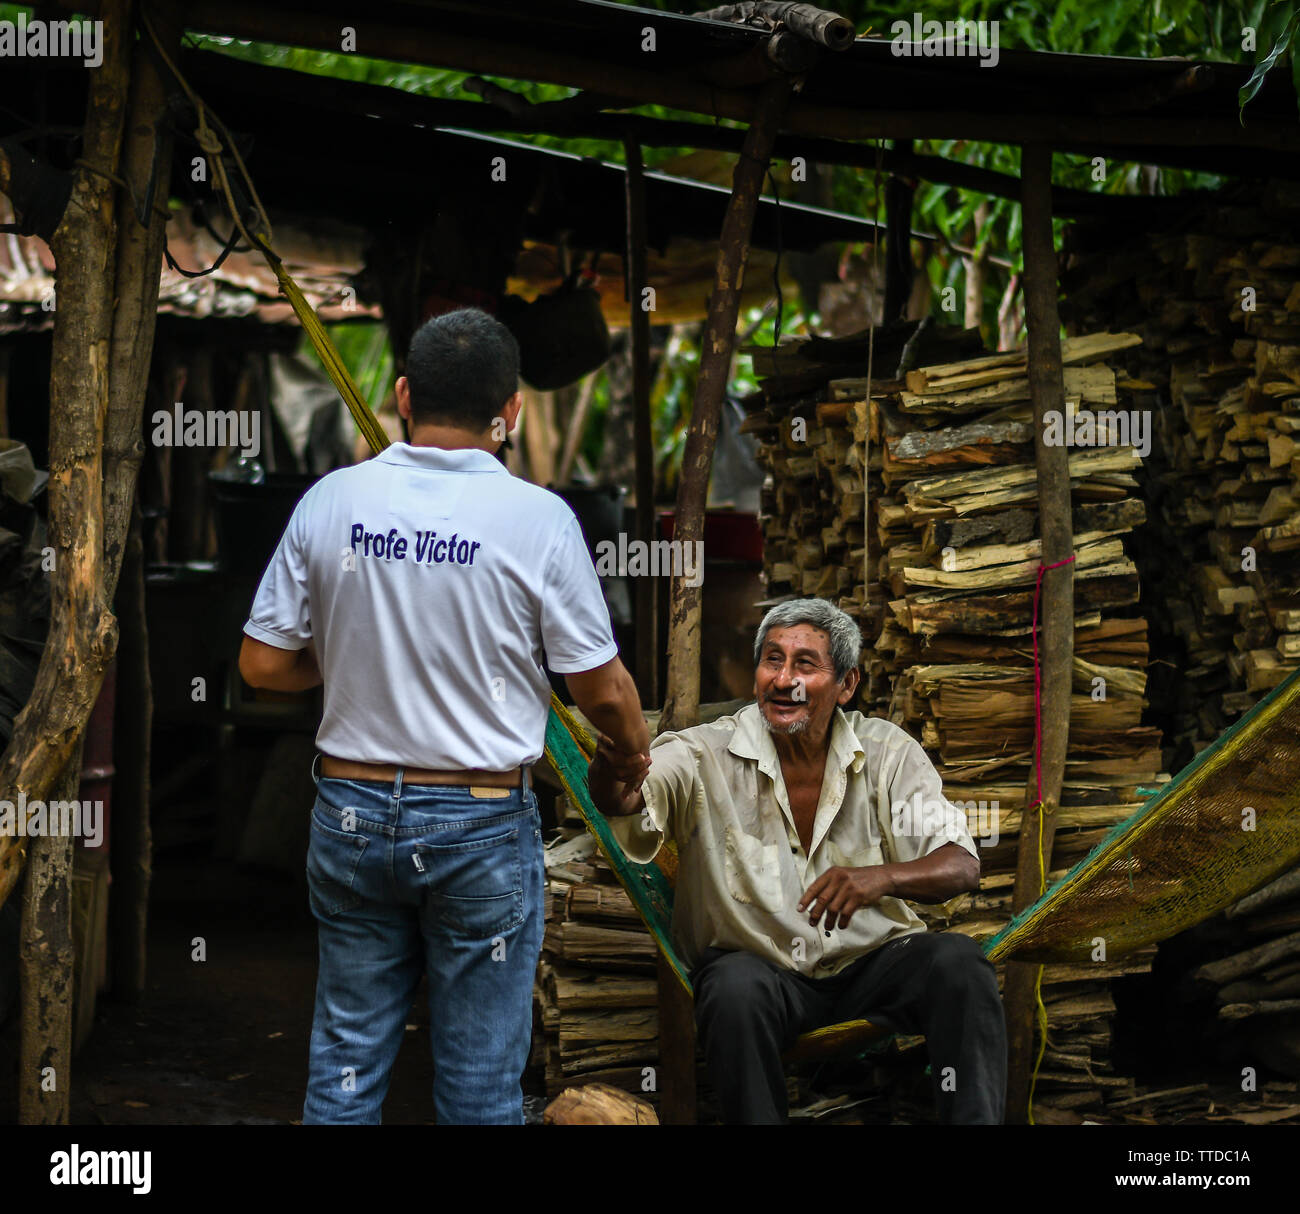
point(845, 635)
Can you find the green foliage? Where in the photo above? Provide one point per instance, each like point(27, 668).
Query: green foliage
point(1265, 65)
point(367, 354)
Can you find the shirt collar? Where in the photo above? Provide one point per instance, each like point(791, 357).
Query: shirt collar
point(440, 459)
point(752, 740)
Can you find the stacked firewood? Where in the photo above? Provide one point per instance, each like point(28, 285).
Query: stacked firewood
point(1228, 1006)
point(595, 992)
point(1217, 303)
point(816, 537)
point(947, 521)
point(1262, 976)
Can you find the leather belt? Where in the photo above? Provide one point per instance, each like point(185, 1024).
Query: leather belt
point(386, 773)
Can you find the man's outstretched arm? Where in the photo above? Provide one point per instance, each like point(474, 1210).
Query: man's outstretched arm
point(608, 698)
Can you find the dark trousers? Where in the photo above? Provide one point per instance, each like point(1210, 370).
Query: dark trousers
point(748, 1011)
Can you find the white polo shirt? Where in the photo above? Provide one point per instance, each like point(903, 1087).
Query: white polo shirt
point(430, 583)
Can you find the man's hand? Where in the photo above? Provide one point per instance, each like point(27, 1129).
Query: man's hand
point(613, 796)
point(838, 892)
point(631, 769)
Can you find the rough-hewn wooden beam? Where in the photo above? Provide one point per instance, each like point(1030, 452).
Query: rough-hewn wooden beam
point(647, 597)
point(639, 86)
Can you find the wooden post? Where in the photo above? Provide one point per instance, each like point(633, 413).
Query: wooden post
point(647, 599)
point(82, 635)
point(131, 840)
point(45, 969)
point(899, 270)
point(682, 706)
point(146, 167)
point(1056, 616)
point(46, 743)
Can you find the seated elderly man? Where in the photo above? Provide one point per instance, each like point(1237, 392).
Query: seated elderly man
point(801, 829)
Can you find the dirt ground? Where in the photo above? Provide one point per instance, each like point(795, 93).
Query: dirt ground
point(224, 1041)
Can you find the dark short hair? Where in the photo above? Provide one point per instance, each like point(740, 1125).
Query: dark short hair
point(462, 368)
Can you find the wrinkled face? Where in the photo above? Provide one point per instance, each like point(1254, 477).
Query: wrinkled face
point(795, 682)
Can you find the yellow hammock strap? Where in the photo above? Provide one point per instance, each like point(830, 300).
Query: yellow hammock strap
point(1040, 1008)
point(366, 421)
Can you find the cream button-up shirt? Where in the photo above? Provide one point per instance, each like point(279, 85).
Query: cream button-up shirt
point(718, 792)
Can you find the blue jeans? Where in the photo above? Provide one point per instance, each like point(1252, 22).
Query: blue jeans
point(405, 880)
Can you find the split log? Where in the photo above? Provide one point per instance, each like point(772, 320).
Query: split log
point(598, 1104)
point(1284, 888)
point(1228, 969)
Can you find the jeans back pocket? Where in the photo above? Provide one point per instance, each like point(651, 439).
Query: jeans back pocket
point(332, 860)
point(475, 886)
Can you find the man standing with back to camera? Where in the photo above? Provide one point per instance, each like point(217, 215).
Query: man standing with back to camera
point(423, 587)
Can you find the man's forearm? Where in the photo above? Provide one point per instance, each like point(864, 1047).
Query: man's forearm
point(609, 700)
point(943, 874)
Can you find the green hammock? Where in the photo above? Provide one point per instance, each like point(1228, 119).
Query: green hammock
point(1228, 823)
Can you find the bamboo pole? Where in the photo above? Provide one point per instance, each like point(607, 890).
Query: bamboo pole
point(647, 598)
point(1047, 392)
point(46, 742)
